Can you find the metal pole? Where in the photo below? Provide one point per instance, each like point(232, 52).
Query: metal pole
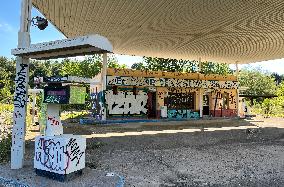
point(237, 99)
point(21, 90)
point(104, 73)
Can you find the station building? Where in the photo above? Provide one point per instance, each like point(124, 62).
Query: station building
point(156, 94)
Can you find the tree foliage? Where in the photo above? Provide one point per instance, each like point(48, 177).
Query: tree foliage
point(173, 65)
point(7, 76)
point(257, 81)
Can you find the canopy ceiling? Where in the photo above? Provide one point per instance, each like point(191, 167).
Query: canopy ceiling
point(216, 30)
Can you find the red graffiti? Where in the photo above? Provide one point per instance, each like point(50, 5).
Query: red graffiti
point(53, 121)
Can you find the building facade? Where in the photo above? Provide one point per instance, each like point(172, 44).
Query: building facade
point(156, 94)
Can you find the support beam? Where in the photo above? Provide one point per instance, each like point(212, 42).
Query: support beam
point(103, 73)
point(21, 90)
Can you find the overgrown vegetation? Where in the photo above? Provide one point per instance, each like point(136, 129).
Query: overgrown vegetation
point(270, 89)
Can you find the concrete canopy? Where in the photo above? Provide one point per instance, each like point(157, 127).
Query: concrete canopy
point(221, 31)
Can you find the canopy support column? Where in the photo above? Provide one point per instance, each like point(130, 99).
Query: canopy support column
point(201, 102)
point(104, 73)
point(21, 90)
point(237, 99)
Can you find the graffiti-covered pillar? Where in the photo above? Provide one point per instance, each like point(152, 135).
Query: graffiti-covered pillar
point(21, 90)
point(103, 79)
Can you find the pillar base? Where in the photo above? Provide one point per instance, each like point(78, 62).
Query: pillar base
point(59, 177)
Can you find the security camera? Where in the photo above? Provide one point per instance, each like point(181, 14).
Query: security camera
point(40, 22)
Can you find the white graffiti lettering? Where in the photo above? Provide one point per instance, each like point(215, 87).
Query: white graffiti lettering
point(170, 82)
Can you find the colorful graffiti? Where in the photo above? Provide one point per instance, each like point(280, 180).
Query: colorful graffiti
point(183, 114)
point(57, 95)
point(97, 104)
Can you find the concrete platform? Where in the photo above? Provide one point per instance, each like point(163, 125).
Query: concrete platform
point(27, 177)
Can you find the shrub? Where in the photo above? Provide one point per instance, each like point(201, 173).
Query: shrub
point(5, 147)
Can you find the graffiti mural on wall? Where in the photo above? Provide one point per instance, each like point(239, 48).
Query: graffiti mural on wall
point(57, 156)
point(183, 114)
point(169, 82)
point(126, 103)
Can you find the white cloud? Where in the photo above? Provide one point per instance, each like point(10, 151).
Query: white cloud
point(5, 27)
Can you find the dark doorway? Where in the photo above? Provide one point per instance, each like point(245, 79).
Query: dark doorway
point(205, 105)
point(152, 105)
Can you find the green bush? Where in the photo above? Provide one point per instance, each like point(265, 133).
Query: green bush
point(5, 148)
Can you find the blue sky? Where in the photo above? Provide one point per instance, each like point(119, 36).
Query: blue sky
point(9, 25)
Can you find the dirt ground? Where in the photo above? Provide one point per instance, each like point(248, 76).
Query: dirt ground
point(216, 152)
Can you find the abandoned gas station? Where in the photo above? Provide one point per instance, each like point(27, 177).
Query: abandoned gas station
point(174, 95)
point(189, 30)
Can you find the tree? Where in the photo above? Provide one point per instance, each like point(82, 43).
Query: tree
point(173, 65)
point(138, 66)
point(215, 68)
point(278, 78)
point(7, 76)
point(257, 81)
point(88, 67)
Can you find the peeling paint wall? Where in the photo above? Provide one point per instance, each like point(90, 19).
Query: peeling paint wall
point(218, 97)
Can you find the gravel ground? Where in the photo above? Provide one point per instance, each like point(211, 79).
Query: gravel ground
point(253, 157)
point(227, 158)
